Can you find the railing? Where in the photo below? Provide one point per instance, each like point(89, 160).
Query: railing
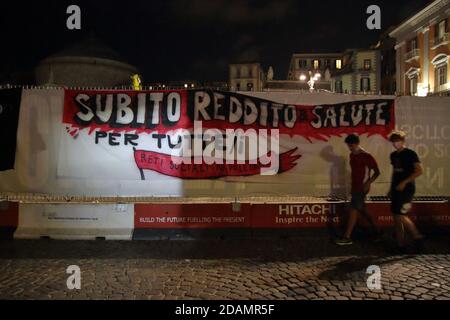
point(412, 54)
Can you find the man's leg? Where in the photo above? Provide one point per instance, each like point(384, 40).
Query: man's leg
point(352, 219)
point(399, 230)
point(405, 207)
point(365, 214)
point(410, 226)
point(396, 209)
point(355, 206)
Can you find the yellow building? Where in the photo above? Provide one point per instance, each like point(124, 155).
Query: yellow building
point(246, 77)
point(423, 51)
point(360, 73)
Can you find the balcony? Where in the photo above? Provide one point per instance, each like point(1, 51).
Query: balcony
point(411, 55)
point(442, 40)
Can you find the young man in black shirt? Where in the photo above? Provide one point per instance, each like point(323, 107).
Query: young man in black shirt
point(406, 168)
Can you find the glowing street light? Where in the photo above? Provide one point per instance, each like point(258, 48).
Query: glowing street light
point(312, 79)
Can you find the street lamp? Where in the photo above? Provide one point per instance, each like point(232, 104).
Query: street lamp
point(312, 79)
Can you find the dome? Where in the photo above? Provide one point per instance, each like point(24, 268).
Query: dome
point(89, 47)
point(89, 63)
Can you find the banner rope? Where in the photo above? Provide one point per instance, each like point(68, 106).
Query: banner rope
point(84, 199)
point(62, 199)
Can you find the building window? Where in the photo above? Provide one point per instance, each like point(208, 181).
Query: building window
point(238, 87)
point(244, 72)
point(339, 64)
point(367, 64)
point(302, 63)
point(338, 86)
point(441, 75)
point(316, 64)
point(413, 44)
point(365, 84)
point(250, 86)
point(440, 30)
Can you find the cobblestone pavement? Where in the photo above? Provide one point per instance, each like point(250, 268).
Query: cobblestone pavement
point(296, 268)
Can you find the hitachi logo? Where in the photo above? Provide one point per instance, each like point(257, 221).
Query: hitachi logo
point(302, 209)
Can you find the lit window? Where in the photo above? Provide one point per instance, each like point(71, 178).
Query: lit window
point(339, 64)
point(367, 64)
point(316, 64)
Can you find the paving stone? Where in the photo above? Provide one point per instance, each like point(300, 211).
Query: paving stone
point(217, 270)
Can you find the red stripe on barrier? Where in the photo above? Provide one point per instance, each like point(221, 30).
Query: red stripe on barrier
point(9, 214)
point(299, 215)
point(423, 213)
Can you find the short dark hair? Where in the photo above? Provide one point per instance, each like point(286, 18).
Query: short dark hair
point(352, 139)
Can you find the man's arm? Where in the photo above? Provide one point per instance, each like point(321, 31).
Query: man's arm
point(418, 171)
point(373, 177)
point(373, 166)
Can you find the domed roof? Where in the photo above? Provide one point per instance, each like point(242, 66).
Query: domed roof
point(90, 47)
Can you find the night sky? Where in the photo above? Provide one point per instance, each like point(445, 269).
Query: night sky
point(193, 39)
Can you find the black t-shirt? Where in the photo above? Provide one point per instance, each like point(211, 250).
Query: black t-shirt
point(403, 163)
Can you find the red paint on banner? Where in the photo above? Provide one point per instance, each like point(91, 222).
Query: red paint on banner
point(165, 164)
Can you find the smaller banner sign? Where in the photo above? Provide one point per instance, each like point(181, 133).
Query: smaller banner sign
point(179, 216)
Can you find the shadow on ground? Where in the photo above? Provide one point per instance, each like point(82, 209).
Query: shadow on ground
point(262, 249)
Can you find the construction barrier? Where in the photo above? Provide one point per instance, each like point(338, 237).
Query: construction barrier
point(75, 221)
point(165, 220)
point(9, 216)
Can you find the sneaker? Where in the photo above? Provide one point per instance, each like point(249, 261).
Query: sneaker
point(343, 242)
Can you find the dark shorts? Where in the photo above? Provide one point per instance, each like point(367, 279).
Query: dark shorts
point(401, 201)
point(358, 201)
